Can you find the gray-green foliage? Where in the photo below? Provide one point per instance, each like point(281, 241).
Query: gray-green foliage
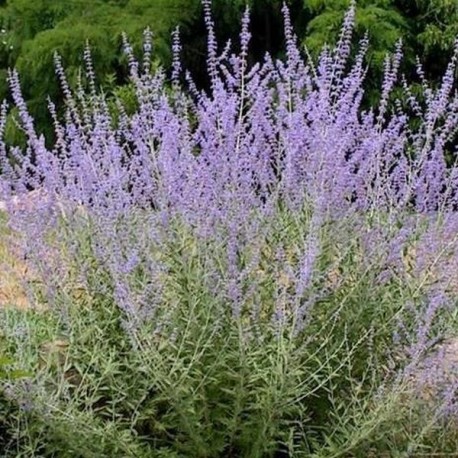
point(207, 384)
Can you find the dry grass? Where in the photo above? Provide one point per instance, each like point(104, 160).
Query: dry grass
point(17, 275)
point(13, 272)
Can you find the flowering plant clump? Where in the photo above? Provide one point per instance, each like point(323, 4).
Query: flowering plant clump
point(253, 270)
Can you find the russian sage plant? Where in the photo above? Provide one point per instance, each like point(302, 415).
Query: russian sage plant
point(246, 270)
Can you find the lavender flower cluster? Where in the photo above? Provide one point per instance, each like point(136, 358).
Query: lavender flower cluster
point(281, 136)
